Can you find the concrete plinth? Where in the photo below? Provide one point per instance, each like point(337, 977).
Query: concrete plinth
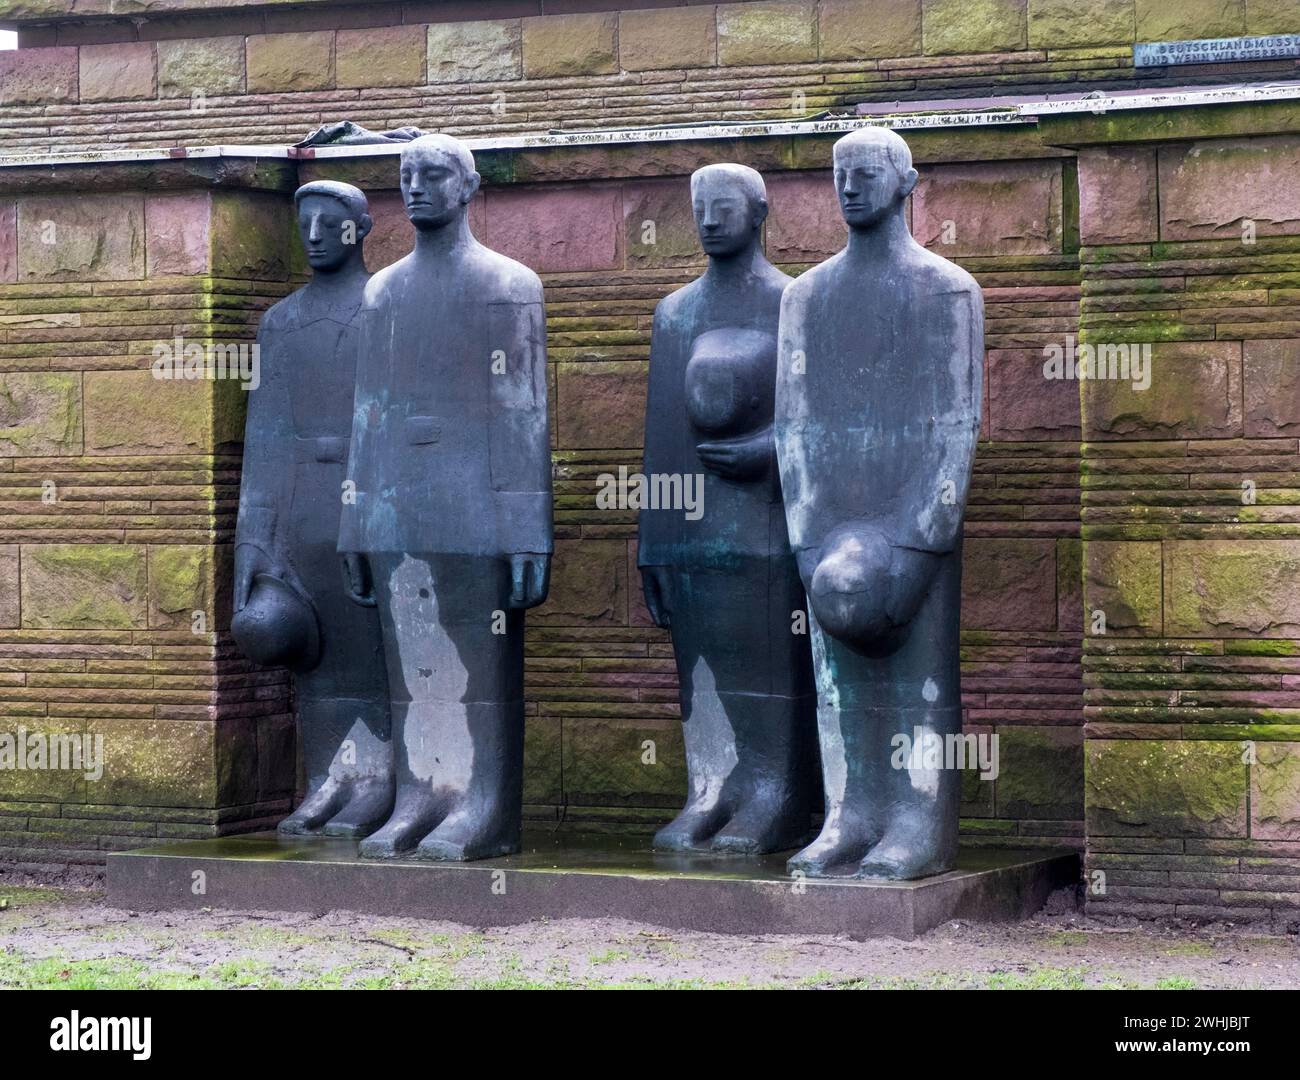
point(581, 877)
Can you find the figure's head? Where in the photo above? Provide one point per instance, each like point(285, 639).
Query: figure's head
point(333, 220)
point(438, 180)
point(873, 175)
point(730, 206)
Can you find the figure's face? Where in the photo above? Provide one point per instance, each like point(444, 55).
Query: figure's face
point(724, 217)
point(433, 186)
point(329, 234)
point(867, 183)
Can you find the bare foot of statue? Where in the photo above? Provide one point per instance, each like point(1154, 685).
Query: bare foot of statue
point(772, 819)
point(472, 830)
point(691, 829)
point(416, 815)
point(917, 844)
point(838, 850)
point(317, 808)
point(369, 804)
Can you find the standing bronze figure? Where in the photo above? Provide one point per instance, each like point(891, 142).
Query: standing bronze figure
point(290, 604)
point(877, 415)
point(723, 579)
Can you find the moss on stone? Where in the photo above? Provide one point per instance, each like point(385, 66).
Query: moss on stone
point(1165, 788)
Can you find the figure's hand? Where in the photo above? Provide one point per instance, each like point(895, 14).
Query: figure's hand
point(655, 589)
point(530, 579)
point(356, 579)
point(746, 458)
point(250, 561)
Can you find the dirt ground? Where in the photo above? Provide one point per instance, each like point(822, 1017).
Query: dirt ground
point(64, 935)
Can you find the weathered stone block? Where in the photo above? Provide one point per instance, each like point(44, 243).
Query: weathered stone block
point(1272, 17)
point(1002, 208)
point(180, 583)
point(1275, 792)
point(543, 760)
point(381, 56)
point(1124, 582)
point(1226, 188)
point(8, 242)
point(41, 735)
point(1008, 584)
point(973, 26)
point(177, 237)
point(208, 66)
point(475, 51)
point(639, 614)
point(584, 44)
point(277, 756)
point(1118, 202)
point(767, 33)
point(159, 763)
point(1040, 773)
point(1159, 20)
point(588, 585)
point(38, 76)
point(40, 414)
point(234, 758)
point(1165, 788)
point(667, 38)
point(122, 71)
point(87, 238)
point(131, 412)
point(1069, 584)
point(869, 29)
point(10, 596)
point(1062, 24)
point(976, 794)
point(1023, 404)
point(659, 224)
point(252, 235)
point(282, 62)
point(1194, 393)
point(613, 762)
point(1271, 378)
point(601, 405)
point(392, 235)
point(557, 230)
point(1232, 588)
point(805, 223)
point(84, 586)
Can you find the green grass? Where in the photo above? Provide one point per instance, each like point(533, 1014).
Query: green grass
point(17, 896)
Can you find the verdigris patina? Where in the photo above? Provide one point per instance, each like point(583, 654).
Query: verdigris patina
point(877, 415)
point(723, 579)
point(448, 529)
point(290, 606)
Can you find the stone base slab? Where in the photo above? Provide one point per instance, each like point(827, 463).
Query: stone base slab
point(569, 876)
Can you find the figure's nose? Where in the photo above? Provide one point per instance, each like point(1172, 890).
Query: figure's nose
point(314, 231)
point(416, 186)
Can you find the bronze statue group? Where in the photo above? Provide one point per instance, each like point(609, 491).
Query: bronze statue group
point(395, 522)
